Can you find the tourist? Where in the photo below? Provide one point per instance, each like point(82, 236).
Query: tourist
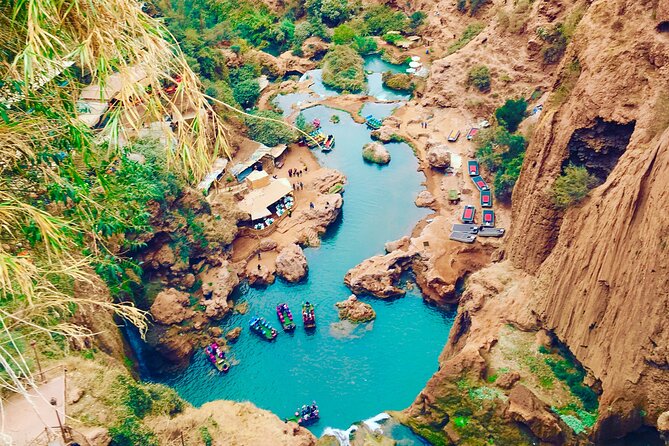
point(311, 205)
point(258, 266)
point(290, 172)
point(258, 255)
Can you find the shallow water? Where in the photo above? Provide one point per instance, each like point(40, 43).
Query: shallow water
point(352, 371)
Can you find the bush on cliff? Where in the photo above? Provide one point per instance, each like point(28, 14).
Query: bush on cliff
point(343, 69)
point(511, 113)
point(502, 153)
point(364, 45)
point(479, 77)
point(572, 186)
point(380, 19)
point(343, 34)
point(269, 129)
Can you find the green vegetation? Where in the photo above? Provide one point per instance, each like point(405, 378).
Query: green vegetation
point(343, 34)
point(364, 45)
point(479, 77)
point(468, 35)
point(572, 186)
point(567, 80)
point(332, 12)
point(416, 19)
point(557, 43)
point(392, 37)
point(380, 19)
point(502, 153)
point(245, 88)
point(474, 5)
point(130, 432)
point(206, 436)
point(334, 119)
point(343, 69)
point(511, 113)
point(270, 131)
point(398, 81)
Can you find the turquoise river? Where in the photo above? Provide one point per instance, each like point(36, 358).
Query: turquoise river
point(352, 372)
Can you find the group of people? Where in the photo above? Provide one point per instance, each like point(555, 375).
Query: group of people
point(298, 186)
point(296, 172)
point(307, 413)
point(423, 124)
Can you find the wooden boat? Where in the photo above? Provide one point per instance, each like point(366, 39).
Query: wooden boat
point(372, 122)
point(308, 316)
point(473, 167)
point(217, 357)
point(488, 218)
point(486, 199)
point(285, 317)
point(263, 329)
point(468, 214)
point(305, 415)
point(329, 143)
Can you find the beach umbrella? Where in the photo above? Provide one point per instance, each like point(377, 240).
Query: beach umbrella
point(414, 64)
point(415, 58)
point(411, 70)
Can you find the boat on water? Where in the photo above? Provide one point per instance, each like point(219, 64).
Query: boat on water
point(306, 415)
point(372, 122)
point(329, 143)
point(308, 316)
point(285, 317)
point(217, 357)
point(262, 328)
point(316, 138)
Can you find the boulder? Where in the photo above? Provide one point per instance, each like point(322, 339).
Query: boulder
point(294, 64)
point(507, 380)
point(171, 307)
point(377, 275)
point(217, 284)
point(163, 257)
point(95, 436)
point(175, 347)
point(326, 210)
point(663, 423)
point(259, 276)
point(291, 264)
point(425, 199)
point(396, 244)
point(269, 64)
point(233, 334)
point(375, 152)
point(267, 244)
point(314, 48)
point(74, 394)
point(355, 310)
point(187, 281)
point(525, 407)
point(324, 179)
point(232, 59)
point(438, 156)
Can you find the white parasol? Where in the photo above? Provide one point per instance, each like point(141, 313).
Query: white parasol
point(414, 64)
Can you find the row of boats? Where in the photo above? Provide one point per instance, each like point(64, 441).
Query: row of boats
point(306, 415)
point(262, 328)
point(318, 138)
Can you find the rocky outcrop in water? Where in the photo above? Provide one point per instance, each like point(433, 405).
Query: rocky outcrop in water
point(425, 199)
point(291, 264)
point(325, 179)
point(355, 311)
point(375, 152)
point(379, 275)
point(326, 208)
point(259, 275)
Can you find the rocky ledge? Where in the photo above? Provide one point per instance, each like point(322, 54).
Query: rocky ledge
point(355, 311)
point(378, 275)
point(291, 264)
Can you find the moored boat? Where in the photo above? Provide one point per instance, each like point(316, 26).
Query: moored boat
point(308, 316)
point(217, 357)
point(329, 143)
point(285, 317)
point(262, 328)
point(306, 415)
point(316, 138)
point(372, 122)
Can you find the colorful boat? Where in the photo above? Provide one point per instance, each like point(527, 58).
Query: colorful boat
point(306, 415)
point(480, 183)
point(372, 122)
point(454, 135)
point(473, 167)
point(488, 218)
point(329, 143)
point(262, 328)
point(472, 133)
point(285, 317)
point(316, 123)
point(308, 316)
point(486, 199)
point(316, 138)
point(217, 357)
point(468, 214)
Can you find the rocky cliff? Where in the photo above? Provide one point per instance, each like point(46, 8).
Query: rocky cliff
point(595, 275)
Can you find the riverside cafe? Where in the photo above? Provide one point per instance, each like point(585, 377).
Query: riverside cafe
point(268, 199)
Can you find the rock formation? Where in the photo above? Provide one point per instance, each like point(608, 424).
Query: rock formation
point(325, 179)
point(425, 199)
point(355, 311)
point(375, 152)
point(217, 284)
point(291, 264)
point(438, 156)
point(171, 307)
point(378, 275)
point(259, 275)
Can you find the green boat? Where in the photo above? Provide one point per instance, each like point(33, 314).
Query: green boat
point(285, 317)
point(263, 329)
point(372, 122)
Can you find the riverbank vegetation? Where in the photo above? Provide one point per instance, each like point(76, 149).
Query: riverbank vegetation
point(343, 70)
point(398, 81)
point(502, 153)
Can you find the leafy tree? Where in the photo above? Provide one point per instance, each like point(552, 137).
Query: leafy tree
point(398, 81)
point(479, 77)
point(557, 41)
point(380, 19)
point(301, 121)
point(416, 19)
point(343, 34)
point(474, 5)
point(129, 432)
point(272, 131)
point(572, 186)
point(502, 153)
point(343, 69)
point(335, 11)
point(246, 93)
point(364, 45)
point(511, 113)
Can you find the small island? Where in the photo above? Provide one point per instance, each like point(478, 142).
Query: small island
point(375, 152)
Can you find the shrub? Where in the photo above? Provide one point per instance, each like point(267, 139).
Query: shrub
point(246, 93)
point(468, 35)
point(511, 113)
point(502, 153)
point(334, 11)
point(129, 432)
point(343, 69)
point(462, 5)
point(479, 77)
point(398, 81)
point(380, 19)
point(474, 5)
point(572, 186)
point(557, 41)
point(270, 133)
point(364, 45)
point(206, 436)
point(416, 19)
point(343, 34)
point(392, 38)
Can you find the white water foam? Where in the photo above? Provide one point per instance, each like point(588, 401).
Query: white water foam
point(342, 436)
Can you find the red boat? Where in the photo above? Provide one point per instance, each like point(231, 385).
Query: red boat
point(217, 357)
point(488, 218)
point(486, 199)
point(468, 214)
point(473, 167)
point(308, 316)
point(480, 183)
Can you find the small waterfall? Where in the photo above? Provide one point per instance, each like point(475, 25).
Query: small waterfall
point(343, 436)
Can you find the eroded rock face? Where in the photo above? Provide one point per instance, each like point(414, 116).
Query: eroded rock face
point(175, 347)
point(294, 64)
point(507, 380)
point(425, 199)
point(396, 244)
point(375, 152)
point(217, 284)
point(315, 48)
point(267, 244)
point(171, 307)
point(379, 274)
point(325, 179)
point(438, 156)
point(163, 257)
point(326, 210)
point(355, 311)
point(291, 264)
point(526, 408)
